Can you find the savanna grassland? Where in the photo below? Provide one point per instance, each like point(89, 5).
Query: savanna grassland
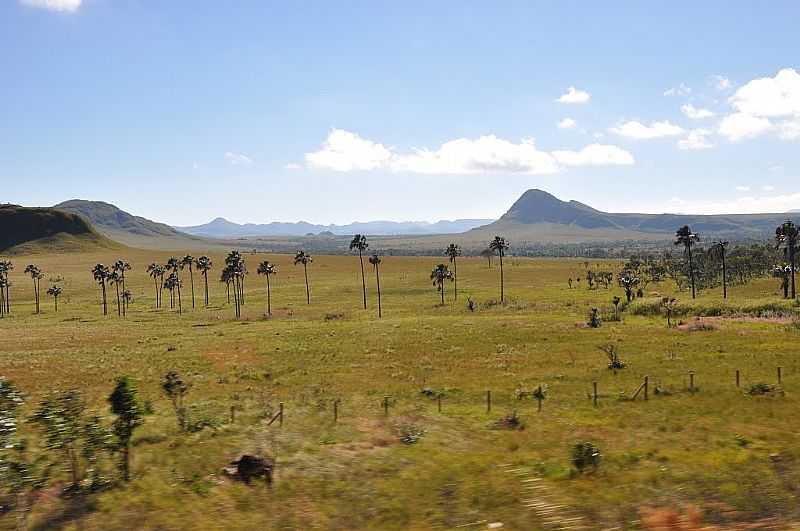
point(733, 455)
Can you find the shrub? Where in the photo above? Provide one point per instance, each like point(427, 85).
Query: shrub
point(761, 388)
point(585, 455)
point(612, 353)
point(509, 422)
point(409, 433)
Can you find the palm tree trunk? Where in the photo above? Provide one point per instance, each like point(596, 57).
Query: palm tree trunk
point(455, 279)
point(236, 297)
point(378, 282)
point(35, 298)
point(241, 290)
point(724, 277)
point(363, 280)
point(55, 299)
point(441, 291)
point(105, 303)
point(180, 307)
point(191, 280)
point(691, 269)
point(205, 279)
point(119, 306)
point(791, 259)
point(308, 290)
point(502, 294)
point(228, 290)
point(269, 303)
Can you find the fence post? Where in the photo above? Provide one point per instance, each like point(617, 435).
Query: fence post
point(691, 381)
point(594, 393)
point(233, 414)
point(539, 398)
point(280, 419)
point(439, 402)
point(386, 405)
point(779, 375)
point(646, 379)
point(488, 401)
point(737, 377)
point(336, 410)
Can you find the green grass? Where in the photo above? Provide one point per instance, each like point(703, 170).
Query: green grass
point(676, 449)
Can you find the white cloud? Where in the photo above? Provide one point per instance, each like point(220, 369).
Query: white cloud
point(680, 90)
point(574, 95)
point(346, 151)
point(595, 155)
point(739, 205)
point(695, 113)
point(742, 188)
point(69, 6)
point(640, 131)
point(721, 82)
point(790, 129)
point(293, 166)
point(567, 123)
point(695, 140)
point(739, 126)
point(238, 159)
point(768, 188)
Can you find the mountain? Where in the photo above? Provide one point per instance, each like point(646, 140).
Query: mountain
point(28, 230)
point(126, 228)
point(538, 216)
point(222, 228)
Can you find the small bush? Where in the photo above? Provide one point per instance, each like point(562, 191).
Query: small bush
point(585, 455)
point(509, 422)
point(759, 389)
point(409, 433)
point(612, 353)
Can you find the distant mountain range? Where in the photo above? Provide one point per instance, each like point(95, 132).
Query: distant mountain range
point(222, 228)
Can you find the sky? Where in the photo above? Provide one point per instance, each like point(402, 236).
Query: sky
point(340, 111)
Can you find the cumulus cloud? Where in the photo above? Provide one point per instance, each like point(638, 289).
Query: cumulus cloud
point(763, 105)
point(680, 90)
point(768, 188)
point(695, 113)
point(345, 151)
point(640, 131)
point(69, 6)
point(574, 96)
point(739, 205)
point(567, 123)
point(238, 159)
point(695, 140)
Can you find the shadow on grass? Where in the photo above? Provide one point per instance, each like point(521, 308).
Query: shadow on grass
point(74, 508)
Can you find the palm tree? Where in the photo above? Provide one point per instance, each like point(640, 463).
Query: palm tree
point(303, 258)
point(203, 264)
point(718, 249)
point(499, 245)
point(488, 253)
point(174, 265)
point(5, 268)
point(100, 273)
point(36, 275)
point(375, 260)
point(786, 236)
point(55, 292)
point(360, 244)
point(154, 270)
point(127, 298)
point(439, 274)
point(120, 266)
point(684, 236)
point(265, 268)
point(188, 261)
point(173, 284)
point(3, 286)
point(453, 251)
point(234, 274)
point(116, 279)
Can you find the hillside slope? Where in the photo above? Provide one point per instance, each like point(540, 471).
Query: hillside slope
point(27, 230)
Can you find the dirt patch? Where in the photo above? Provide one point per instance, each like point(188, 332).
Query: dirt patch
point(221, 361)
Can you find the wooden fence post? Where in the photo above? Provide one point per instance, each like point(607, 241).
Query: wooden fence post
point(488, 401)
point(594, 393)
point(386, 405)
point(439, 402)
point(779, 375)
point(691, 381)
point(737, 377)
point(280, 409)
point(646, 380)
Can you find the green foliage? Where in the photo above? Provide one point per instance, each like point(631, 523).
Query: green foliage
point(585, 455)
point(125, 405)
point(175, 389)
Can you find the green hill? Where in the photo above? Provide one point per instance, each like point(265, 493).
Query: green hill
point(27, 230)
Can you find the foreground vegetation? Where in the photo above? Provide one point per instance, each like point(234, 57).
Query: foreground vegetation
point(399, 462)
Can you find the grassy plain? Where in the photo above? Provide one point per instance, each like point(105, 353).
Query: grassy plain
point(734, 455)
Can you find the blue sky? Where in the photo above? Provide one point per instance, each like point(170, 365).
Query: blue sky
point(257, 111)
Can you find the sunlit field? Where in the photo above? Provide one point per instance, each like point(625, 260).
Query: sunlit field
point(731, 455)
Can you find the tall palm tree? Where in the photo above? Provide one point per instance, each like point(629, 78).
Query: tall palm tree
point(234, 274)
point(267, 269)
point(718, 249)
point(188, 262)
point(786, 237)
point(499, 245)
point(121, 266)
point(127, 298)
point(684, 236)
point(375, 260)
point(173, 284)
point(154, 270)
point(3, 286)
point(173, 265)
point(100, 273)
point(5, 269)
point(115, 278)
point(439, 275)
point(453, 251)
point(360, 244)
point(36, 275)
point(55, 292)
point(303, 258)
point(204, 264)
